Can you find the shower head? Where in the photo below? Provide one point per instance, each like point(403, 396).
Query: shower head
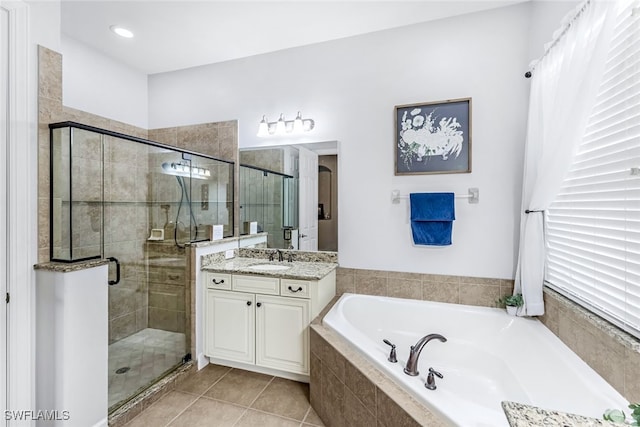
point(182, 169)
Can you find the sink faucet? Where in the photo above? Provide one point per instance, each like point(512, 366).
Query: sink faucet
point(280, 256)
point(412, 363)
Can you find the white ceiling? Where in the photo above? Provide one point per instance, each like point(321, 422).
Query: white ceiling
point(172, 35)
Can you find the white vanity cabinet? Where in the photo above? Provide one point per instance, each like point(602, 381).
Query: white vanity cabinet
point(230, 325)
point(261, 323)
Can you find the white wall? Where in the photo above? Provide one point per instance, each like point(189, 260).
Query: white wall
point(44, 24)
point(546, 17)
point(350, 87)
point(95, 83)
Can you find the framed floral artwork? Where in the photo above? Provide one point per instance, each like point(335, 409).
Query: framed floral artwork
point(433, 137)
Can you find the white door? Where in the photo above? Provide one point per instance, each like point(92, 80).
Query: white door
point(282, 335)
point(4, 114)
point(308, 222)
point(230, 326)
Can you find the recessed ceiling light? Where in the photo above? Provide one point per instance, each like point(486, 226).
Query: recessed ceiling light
point(122, 32)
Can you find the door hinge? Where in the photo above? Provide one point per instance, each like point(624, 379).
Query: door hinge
point(7, 298)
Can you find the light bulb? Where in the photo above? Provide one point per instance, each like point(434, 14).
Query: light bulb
point(263, 128)
point(297, 123)
point(280, 126)
point(207, 172)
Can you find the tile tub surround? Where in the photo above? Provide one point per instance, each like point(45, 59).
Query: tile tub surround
point(478, 291)
point(347, 391)
point(611, 352)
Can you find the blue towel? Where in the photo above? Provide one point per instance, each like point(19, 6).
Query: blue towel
point(432, 216)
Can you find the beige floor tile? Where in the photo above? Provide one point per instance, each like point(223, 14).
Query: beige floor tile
point(239, 387)
point(259, 419)
point(164, 410)
point(312, 418)
point(284, 397)
point(200, 382)
point(209, 413)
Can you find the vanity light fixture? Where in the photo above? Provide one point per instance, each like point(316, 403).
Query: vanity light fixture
point(182, 169)
point(121, 31)
point(284, 127)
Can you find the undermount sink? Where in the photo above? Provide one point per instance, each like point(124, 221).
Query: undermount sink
point(271, 267)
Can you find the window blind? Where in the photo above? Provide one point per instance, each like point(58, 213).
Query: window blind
point(593, 226)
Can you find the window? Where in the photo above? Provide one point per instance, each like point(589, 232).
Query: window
point(593, 226)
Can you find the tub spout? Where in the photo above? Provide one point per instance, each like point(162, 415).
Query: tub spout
point(414, 354)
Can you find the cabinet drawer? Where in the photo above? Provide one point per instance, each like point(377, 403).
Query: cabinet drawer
point(218, 281)
point(294, 288)
point(256, 284)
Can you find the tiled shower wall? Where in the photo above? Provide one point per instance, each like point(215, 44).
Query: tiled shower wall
point(219, 140)
point(127, 224)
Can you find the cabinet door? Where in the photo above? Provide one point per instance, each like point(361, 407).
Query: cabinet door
point(282, 333)
point(230, 326)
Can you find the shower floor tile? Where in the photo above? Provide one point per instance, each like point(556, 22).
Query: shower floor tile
point(148, 354)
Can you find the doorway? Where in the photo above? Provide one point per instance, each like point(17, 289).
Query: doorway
point(328, 203)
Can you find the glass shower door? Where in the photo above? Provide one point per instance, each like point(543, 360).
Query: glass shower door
point(148, 308)
point(140, 203)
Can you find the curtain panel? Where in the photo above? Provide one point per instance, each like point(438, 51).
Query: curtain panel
point(563, 90)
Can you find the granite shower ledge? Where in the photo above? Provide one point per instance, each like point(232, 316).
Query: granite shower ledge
point(298, 269)
point(521, 415)
point(207, 243)
point(64, 267)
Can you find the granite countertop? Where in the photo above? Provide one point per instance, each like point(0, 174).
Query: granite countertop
point(299, 269)
point(67, 267)
point(521, 415)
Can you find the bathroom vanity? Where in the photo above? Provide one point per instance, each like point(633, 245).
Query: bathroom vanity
point(257, 312)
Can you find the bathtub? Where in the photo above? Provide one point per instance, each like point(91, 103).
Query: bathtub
point(489, 357)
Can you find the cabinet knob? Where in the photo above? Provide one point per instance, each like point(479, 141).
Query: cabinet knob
point(259, 304)
point(295, 290)
point(218, 282)
point(248, 302)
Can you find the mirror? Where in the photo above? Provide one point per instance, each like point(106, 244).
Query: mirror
point(269, 194)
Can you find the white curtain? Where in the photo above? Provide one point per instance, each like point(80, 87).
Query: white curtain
point(563, 89)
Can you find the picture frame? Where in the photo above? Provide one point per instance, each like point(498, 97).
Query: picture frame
point(433, 137)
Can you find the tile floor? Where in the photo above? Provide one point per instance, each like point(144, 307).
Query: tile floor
point(148, 354)
point(222, 396)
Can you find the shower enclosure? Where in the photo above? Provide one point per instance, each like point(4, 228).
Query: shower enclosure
point(270, 199)
point(139, 204)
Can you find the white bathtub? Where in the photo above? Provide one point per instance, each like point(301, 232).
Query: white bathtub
point(489, 357)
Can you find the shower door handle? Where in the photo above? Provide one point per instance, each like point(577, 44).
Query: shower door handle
point(115, 282)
